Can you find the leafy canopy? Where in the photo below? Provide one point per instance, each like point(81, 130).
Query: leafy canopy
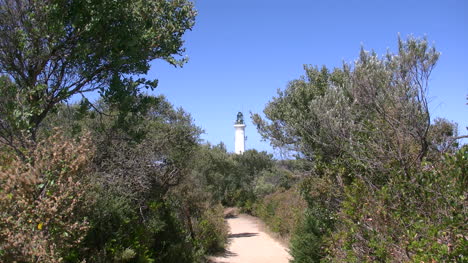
point(370, 113)
point(52, 50)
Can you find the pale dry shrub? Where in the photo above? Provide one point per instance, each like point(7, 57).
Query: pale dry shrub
point(282, 210)
point(40, 201)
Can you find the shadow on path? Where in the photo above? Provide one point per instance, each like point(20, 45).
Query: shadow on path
point(248, 243)
point(246, 234)
point(228, 216)
point(224, 254)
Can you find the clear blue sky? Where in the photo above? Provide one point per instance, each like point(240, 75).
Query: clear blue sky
point(242, 51)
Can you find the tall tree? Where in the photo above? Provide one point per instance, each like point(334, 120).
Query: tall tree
point(53, 50)
point(370, 113)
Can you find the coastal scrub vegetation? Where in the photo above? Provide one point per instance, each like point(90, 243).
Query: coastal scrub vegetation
point(101, 180)
point(386, 183)
point(125, 177)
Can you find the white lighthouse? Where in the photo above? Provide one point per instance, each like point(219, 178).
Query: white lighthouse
point(239, 126)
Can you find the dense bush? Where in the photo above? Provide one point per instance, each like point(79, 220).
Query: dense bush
point(378, 181)
point(60, 201)
point(422, 220)
point(281, 210)
point(385, 185)
point(143, 206)
point(139, 188)
point(322, 190)
point(42, 201)
point(307, 239)
point(232, 179)
point(117, 233)
point(211, 231)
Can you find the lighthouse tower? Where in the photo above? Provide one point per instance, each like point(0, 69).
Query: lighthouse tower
point(239, 126)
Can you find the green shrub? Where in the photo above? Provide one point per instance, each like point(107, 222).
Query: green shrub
point(211, 230)
point(281, 211)
point(307, 240)
point(417, 220)
point(118, 231)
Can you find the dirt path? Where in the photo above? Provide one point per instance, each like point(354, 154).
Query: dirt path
point(249, 244)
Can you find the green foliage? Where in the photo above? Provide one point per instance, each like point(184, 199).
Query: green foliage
point(136, 213)
point(252, 162)
point(144, 209)
point(384, 185)
point(290, 112)
point(64, 48)
point(442, 134)
point(216, 170)
point(307, 241)
point(211, 230)
point(231, 178)
point(281, 210)
point(322, 191)
point(372, 113)
point(140, 170)
point(407, 221)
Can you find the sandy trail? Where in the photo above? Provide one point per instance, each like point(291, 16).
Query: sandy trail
point(248, 244)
